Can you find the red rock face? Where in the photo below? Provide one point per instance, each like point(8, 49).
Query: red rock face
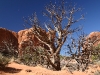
point(23, 35)
point(91, 41)
point(94, 37)
point(19, 41)
point(25, 39)
point(8, 38)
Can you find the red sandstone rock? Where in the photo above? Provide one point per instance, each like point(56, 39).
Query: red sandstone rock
point(95, 37)
point(25, 38)
point(8, 38)
point(22, 39)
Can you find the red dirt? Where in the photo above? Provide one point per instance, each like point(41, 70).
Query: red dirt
point(17, 69)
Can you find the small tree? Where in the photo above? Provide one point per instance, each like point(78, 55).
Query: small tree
point(82, 49)
point(77, 52)
point(58, 32)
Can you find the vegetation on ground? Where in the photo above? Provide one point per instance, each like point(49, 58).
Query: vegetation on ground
point(4, 61)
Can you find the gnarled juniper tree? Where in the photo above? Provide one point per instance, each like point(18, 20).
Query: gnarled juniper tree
point(57, 30)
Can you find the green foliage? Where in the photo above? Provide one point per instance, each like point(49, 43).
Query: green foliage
point(97, 50)
point(8, 49)
point(94, 57)
point(33, 57)
point(4, 60)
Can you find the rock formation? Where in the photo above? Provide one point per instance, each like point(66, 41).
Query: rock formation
point(94, 37)
point(27, 39)
point(8, 41)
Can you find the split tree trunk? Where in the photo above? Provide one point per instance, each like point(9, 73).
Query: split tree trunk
point(55, 62)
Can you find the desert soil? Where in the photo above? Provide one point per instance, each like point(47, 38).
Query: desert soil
point(18, 69)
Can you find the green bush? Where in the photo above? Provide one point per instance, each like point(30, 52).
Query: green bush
point(97, 51)
point(4, 61)
point(94, 57)
point(29, 59)
point(32, 58)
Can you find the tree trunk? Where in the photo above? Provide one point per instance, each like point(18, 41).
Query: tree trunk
point(56, 62)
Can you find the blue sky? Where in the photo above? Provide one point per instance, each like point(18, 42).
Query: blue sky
point(13, 11)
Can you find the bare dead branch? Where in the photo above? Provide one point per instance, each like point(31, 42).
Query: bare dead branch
point(57, 34)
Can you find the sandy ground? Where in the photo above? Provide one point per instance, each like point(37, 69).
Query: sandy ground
point(17, 69)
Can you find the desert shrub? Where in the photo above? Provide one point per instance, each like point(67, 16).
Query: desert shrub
point(29, 59)
point(8, 49)
point(97, 72)
point(33, 57)
point(4, 61)
point(94, 57)
point(97, 55)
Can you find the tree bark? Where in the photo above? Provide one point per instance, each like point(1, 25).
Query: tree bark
point(56, 62)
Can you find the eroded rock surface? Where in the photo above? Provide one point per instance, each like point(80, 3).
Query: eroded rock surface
point(8, 40)
point(95, 37)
